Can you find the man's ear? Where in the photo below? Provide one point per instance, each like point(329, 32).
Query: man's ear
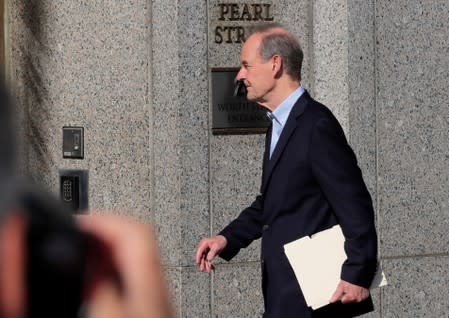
point(277, 65)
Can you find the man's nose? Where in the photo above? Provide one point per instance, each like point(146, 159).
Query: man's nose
point(240, 75)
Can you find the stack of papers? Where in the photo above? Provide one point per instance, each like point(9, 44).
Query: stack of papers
point(317, 262)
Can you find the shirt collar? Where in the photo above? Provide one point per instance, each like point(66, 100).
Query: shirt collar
point(280, 114)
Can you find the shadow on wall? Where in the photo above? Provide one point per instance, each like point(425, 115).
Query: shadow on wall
point(34, 97)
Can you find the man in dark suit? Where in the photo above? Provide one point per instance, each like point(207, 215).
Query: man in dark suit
point(310, 182)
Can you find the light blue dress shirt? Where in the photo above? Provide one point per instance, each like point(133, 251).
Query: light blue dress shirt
point(280, 115)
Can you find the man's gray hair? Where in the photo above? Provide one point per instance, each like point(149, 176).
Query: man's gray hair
point(280, 43)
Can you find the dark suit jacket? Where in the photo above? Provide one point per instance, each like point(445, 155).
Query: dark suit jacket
point(311, 183)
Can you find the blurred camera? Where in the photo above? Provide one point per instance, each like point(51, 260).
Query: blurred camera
point(63, 262)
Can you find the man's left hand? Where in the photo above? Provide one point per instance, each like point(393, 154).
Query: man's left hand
point(349, 293)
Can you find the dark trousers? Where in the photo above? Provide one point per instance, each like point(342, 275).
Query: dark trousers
point(336, 310)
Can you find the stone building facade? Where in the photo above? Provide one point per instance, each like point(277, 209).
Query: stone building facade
point(136, 74)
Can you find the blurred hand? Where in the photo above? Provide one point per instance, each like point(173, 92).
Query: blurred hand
point(134, 250)
point(12, 267)
point(206, 251)
point(349, 293)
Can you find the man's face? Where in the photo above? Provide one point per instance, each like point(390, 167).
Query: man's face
point(257, 74)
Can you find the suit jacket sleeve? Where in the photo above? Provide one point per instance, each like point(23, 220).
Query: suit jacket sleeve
point(246, 228)
point(334, 166)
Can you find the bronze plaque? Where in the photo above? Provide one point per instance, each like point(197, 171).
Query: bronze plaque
point(232, 113)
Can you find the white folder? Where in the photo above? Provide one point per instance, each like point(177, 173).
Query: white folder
point(317, 262)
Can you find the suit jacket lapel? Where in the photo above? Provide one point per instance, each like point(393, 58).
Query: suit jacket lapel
point(290, 127)
point(266, 156)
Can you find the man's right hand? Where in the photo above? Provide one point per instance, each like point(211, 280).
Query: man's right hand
point(206, 251)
